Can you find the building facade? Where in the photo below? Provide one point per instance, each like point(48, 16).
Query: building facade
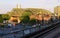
point(57, 11)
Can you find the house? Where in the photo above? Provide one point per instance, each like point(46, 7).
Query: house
point(14, 19)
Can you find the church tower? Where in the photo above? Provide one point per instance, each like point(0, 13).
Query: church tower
point(15, 18)
point(18, 6)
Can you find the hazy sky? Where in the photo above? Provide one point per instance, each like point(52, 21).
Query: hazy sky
point(7, 5)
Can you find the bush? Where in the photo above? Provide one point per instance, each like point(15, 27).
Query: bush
point(25, 19)
point(33, 21)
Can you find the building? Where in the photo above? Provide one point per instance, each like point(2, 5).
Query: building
point(42, 15)
point(57, 11)
point(14, 18)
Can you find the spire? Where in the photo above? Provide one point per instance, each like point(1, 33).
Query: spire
point(18, 6)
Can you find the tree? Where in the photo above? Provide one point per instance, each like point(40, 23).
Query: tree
point(25, 16)
point(33, 21)
point(5, 16)
point(15, 11)
point(25, 19)
point(1, 18)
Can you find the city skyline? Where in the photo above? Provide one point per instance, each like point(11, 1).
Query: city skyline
point(6, 6)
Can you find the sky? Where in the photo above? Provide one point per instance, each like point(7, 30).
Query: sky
point(8, 5)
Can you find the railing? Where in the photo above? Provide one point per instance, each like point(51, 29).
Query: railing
point(18, 33)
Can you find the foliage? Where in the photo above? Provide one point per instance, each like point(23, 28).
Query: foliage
point(25, 19)
point(25, 13)
point(15, 11)
point(25, 16)
point(1, 18)
point(5, 16)
point(19, 11)
point(33, 21)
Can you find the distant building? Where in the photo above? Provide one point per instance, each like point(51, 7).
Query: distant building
point(57, 11)
point(43, 14)
point(14, 18)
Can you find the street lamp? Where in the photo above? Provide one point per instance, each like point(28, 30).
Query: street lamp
point(42, 18)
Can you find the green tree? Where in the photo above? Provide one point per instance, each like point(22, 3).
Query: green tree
point(1, 18)
point(5, 16)
point(25, 19)
point(15, 11)
point(33, 21)
point(25, 16)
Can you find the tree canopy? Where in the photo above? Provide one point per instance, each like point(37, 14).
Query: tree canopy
point(1, 18)
point(24, 14)
point(5, 16)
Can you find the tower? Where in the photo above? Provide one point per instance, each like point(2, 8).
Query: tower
point(15, 17)
point(18, 6)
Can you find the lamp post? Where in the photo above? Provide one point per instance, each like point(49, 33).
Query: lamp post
point(42, 18)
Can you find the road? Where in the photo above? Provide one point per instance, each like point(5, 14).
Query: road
point(52, 34)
